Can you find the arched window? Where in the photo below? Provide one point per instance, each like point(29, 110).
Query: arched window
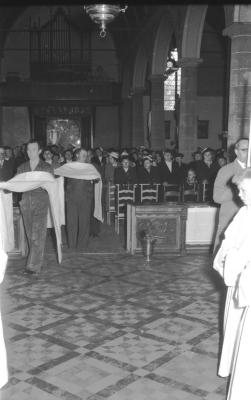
point(172, 81)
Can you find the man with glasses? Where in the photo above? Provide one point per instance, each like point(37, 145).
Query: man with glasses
point(225, 192)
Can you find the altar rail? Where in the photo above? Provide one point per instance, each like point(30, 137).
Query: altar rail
point(178, 228)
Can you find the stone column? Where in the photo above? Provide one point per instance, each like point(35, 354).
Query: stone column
point(137, 117)
point(240, 81)
point(188, 107)
point(157, 112)
point(126, 123)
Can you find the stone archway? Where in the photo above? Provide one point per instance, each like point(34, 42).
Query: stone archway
point(161, 44)
point(192, 32)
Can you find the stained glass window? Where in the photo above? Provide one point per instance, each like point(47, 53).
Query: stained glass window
point(172, 85)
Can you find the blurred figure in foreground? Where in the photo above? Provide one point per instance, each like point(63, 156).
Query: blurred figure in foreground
point(233, 262)
point(225, 193)
point(3, 359)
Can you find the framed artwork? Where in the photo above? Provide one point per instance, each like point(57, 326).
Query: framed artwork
point(63, 132)
point(167, 129)
point(202, 129)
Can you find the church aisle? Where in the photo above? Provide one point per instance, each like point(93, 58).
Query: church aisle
point(108, 327)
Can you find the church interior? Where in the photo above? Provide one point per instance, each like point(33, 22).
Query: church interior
point(126, 318)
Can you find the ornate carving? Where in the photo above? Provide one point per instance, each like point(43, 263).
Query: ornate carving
point(61, 110)
point(167, 223)
point(162, 227)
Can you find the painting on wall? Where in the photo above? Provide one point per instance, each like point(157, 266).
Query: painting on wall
point(202, 129)
point(63, 132)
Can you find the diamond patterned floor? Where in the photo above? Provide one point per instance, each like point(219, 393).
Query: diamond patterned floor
point(108, 327)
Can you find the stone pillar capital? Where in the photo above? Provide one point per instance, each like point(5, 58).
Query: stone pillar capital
point(189, 62)
point(238, 28)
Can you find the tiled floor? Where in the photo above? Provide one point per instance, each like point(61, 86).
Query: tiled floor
point(109, 326)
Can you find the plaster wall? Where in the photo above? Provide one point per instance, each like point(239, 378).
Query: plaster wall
point(15, 126)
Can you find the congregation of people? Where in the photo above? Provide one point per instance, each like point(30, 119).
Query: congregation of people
point(129, 166)
point(228, 185)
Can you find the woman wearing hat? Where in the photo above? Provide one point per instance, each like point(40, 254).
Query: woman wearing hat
point(110, 167)
point(147, 173)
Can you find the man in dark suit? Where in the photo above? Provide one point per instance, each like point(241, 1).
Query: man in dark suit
point(169, 170)
point(79, 205)
point(182, 167)
point(125, 174)
point(225, 192)
point(6, 167)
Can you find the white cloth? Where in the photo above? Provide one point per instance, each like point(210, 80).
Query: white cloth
point(6, 218)
point(85, 171)
point(3, 358)
point(61, 204)
point(32, 180)
point(233, 261)
point(239, 385)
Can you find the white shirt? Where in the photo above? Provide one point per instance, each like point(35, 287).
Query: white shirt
point(169, 164)
point(242, 164)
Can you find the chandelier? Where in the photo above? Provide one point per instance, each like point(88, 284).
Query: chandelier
point(103, 14)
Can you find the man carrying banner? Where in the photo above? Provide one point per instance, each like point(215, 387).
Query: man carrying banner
point(81, 191)
point(34, 208)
